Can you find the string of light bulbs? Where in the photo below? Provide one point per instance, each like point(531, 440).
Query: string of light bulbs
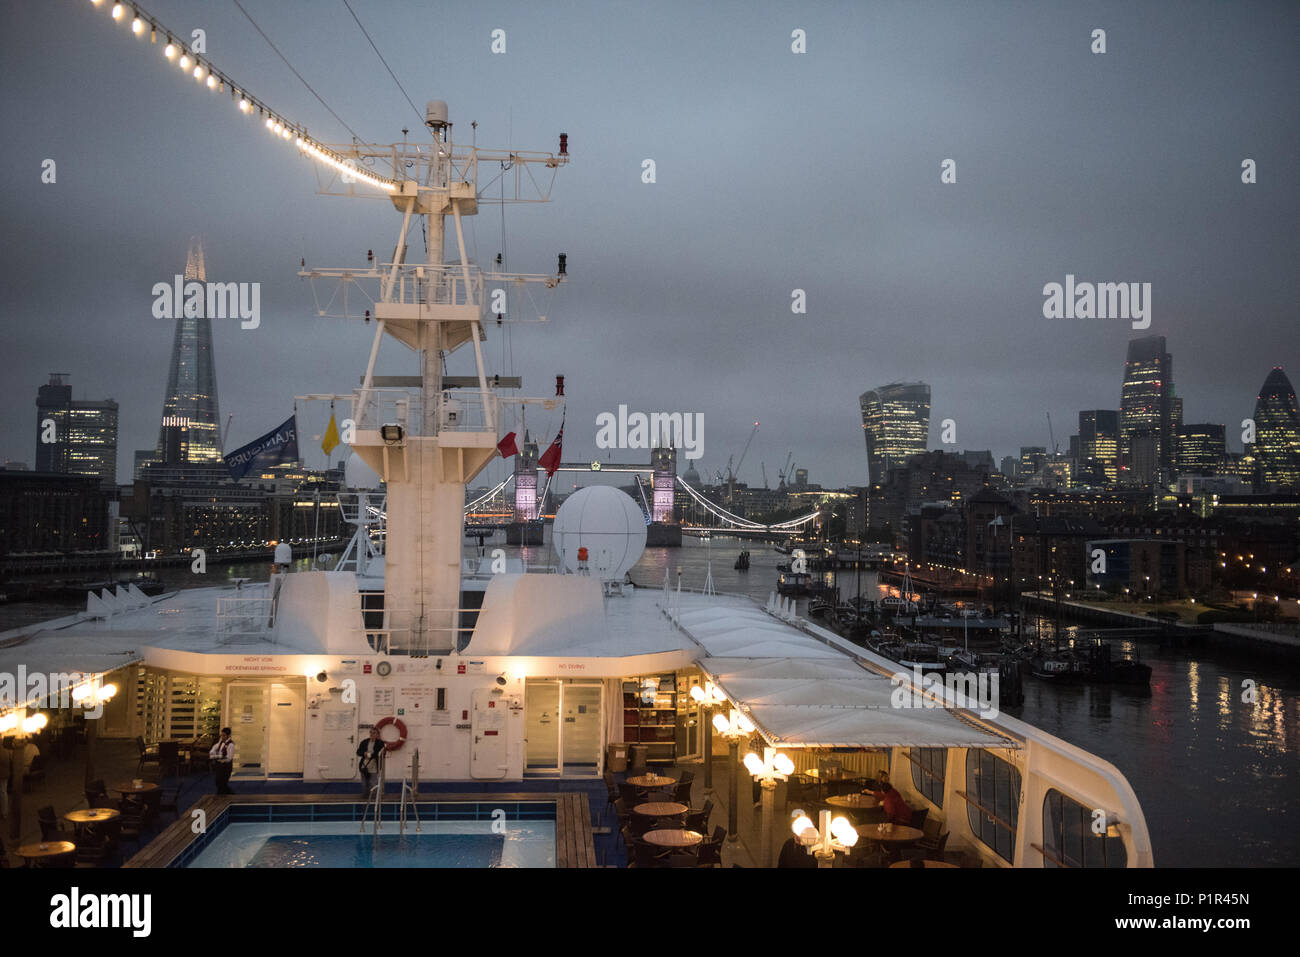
point(217, 81)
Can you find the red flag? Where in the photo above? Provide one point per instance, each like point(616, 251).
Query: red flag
point(507, 446)
point(550, 459)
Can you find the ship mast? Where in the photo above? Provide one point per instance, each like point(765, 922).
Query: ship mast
point(429, 435)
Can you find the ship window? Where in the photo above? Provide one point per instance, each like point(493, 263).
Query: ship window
point(992, 801)
point(928, 767)
point(1069, 840)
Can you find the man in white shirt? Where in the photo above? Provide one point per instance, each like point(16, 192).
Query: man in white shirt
point(222, 756)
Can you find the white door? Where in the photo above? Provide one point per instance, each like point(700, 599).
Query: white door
point(338, 739)
point(246, 707)
point(488, 726)
point(286, 727)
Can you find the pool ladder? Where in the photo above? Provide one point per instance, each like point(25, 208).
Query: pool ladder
point(407, 799)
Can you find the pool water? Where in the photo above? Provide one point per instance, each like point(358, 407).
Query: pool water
point(289, 844)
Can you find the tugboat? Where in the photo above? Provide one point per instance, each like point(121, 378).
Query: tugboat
point(742, 562)
point(818, 607)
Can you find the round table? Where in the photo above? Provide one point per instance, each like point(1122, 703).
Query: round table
point(126, 787)
point(46, 849)
point(855, 801)
point(673, 837)
point(93, 815)
point(898, 834)
point(926, 863)
point(652, 781)
point(660, 809)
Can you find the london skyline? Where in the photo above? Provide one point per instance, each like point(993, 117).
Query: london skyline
point(907, 278)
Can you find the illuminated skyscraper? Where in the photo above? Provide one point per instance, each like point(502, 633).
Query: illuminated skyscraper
point(1148, 413)
point(190, 432)
point(1099, 440)
point(1201, 449)
point(1277, 432)
point(75, 436)
point(896, 422)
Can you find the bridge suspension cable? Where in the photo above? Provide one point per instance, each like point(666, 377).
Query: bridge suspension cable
point(744, 523)
point(487, 495)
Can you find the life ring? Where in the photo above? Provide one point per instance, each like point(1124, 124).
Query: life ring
point(401, 732)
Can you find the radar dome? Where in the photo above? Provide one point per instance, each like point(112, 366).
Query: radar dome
point(357, 474)
point(607, 523)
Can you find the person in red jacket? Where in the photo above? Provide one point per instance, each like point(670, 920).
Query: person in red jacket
point(896, 809)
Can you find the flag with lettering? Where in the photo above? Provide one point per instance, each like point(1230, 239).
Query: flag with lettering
point(277, 447)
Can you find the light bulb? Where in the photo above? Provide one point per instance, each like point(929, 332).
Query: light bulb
point(117, 11)
point(753, 763)
point(800, 824)
point(243, 106)
point(270, 123)
point(745, 724)
point(137, 25)
point(212, 82)
point(185, 61)
point(198, 72)
point(697, 693)
point(783, 765)
point(84, 691)
point(721, 724)
point(843, 832)
point(106, 692)
point(169, 50)
point(278, 127)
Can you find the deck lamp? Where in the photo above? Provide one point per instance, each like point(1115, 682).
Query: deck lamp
point(733, 727)
point(708, 697)
point(33, 723)
point(826, 837)
point(767, 770)
point(391, 433)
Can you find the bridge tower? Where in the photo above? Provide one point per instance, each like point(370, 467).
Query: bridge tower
point(526, 529)
point(664, 528)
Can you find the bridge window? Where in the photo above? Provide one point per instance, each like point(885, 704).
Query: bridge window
point(1069, 840)
point(928, 768)
point(992, 801)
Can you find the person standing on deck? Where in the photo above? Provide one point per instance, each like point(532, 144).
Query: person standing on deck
point(222, 756)
point(368, 753)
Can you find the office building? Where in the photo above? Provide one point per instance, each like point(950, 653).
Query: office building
point(75, 436)
point(896, 423)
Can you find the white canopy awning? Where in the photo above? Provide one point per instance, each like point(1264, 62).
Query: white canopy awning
point(803, 692)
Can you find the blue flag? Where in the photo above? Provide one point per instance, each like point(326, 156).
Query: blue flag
point(277, 447)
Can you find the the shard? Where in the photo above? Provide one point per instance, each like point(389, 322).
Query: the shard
point(190, 432)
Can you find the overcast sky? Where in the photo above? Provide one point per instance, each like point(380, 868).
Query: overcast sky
point(775, 171)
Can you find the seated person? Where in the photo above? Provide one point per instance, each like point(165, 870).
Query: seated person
point(794, 854)
point(896, 809)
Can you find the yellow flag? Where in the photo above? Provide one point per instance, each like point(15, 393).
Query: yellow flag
point(331, 438)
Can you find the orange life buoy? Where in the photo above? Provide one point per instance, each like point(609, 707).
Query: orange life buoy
point(401, 732)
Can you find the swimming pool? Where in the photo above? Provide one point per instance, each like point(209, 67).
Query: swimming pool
point(451, 834)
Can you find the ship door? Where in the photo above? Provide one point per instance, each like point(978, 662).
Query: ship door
point(285, 726)
point(337, 734)
point(246, 715)
point(488, 730)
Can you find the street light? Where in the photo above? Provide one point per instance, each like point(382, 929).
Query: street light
point(708, 697)
point(826, 837)
point(733, 727)
point(767, 770)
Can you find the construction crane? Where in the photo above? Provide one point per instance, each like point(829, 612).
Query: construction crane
point(782, 473)
point(731, 474)
point(1052, 435)
point(763, 466)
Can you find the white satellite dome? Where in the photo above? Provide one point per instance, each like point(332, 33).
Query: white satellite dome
point(606, 522)
point(358, 475)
